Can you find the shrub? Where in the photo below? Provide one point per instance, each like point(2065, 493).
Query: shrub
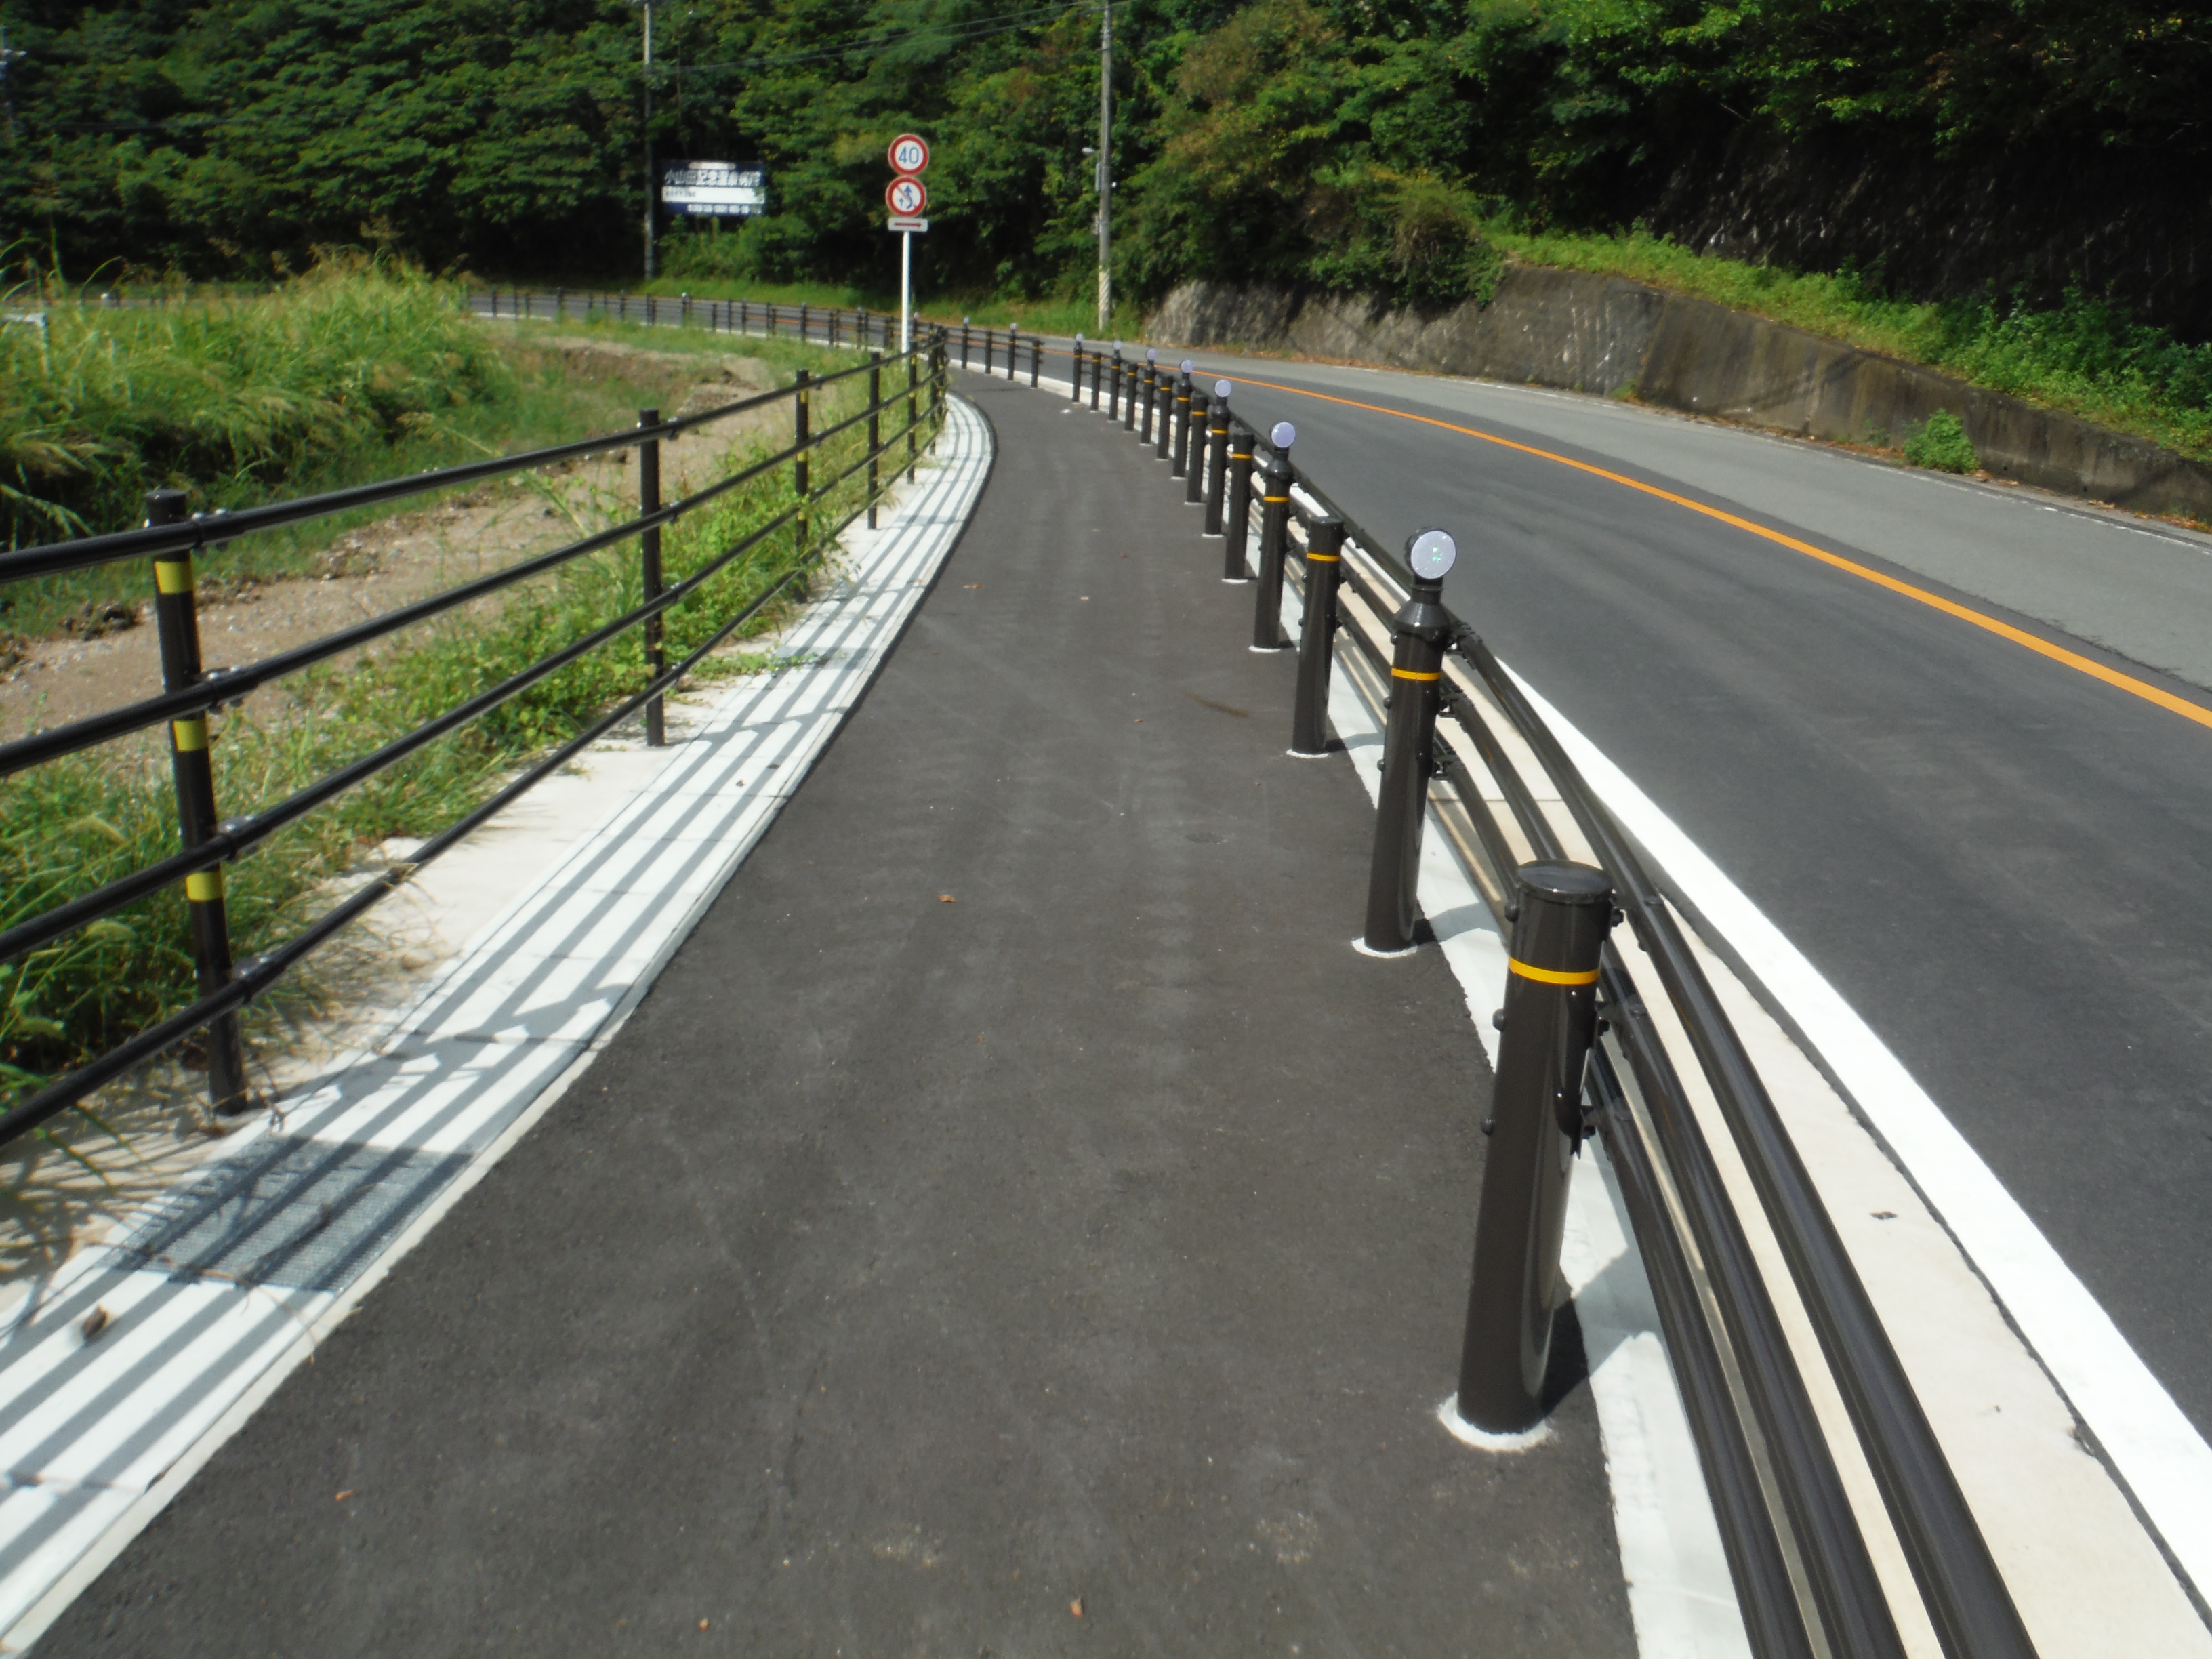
point(1942, 446)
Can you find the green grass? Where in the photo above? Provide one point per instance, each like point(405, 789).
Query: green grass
point(230, 400)
point(67, 827)
point(2085, 357)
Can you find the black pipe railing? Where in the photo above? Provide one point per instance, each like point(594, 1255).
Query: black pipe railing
point(1797, 1506)
point(193, 694)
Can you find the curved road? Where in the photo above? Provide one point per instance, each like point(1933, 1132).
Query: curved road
point(1995, 852)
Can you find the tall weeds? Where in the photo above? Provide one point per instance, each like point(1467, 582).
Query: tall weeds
point(231, 400)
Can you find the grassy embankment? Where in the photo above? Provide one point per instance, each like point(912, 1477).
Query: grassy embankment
point(340, 376)
point(2086, 357)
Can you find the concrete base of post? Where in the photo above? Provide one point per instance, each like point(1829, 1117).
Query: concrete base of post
point(1510, 1440)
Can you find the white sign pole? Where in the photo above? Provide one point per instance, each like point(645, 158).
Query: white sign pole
point(906, 290)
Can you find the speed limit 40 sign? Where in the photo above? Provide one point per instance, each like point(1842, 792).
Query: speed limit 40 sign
point(910, 153)
point(907, 197)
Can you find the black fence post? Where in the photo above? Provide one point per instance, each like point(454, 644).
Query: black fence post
point(1236, 517)
point(1182, 432)
point(744, 316)
point(1014, 347)
point(1151, 394)
point(1317, 635)
point(802, 424)
point(1274, 536)
point(1217, 467)
point(1075, 374)
point(913, 409)
point(1036, 358)
point(559, 304)
point(1193, 483)
point(875, 439)
point(1560, 916)
point(1114, 386)
point(683, 311)
point(192, 766)
point(989, 340)
point(648, 543)
point(1421, 626)
point(803, 312)
point(963, 342)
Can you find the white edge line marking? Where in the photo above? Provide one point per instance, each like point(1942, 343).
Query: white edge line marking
point(2157, 1451)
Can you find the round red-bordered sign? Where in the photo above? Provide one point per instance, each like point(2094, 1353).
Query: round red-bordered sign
point(910, 152)
point(907, 197)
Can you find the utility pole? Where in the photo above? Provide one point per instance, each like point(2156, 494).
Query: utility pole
point(648, 6)
point(1105, 168)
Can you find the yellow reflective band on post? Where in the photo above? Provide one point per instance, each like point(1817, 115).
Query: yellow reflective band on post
point(189, 735)
point(172, 575)
point(1270, 499)
point(1550, 975)
point(1240, 454)
point(203, 886)
point(1323, 558)
point(1412, 674)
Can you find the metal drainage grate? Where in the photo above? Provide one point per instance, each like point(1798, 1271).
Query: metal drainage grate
point(307, 1214)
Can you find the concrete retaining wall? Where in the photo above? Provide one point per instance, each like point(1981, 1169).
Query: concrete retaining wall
point(1591, 333)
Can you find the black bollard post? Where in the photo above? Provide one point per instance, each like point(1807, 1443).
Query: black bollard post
point(963, 342)
point(1236, 517)
point(1317, 635)
point(1097, 374)
point(1180, 435)
point(989, 340)
point(1114, 394)
point(1129, 406)
point(1560, 915)
point(1217, 436)
point(176, 619)
point(1274, 535)
point(803, 310)
point(1152, 393)
point(1194, 477)
point(1036, 358)
point(1163, 401)
point(1408, 746)
point(1075, 374)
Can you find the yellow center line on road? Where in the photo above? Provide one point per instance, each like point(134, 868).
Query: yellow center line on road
point(2058, 654)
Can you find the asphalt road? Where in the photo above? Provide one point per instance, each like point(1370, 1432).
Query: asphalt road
point(1016, 1222)
point(1999, 859)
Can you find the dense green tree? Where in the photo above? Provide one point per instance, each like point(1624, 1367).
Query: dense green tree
point(1347, 143)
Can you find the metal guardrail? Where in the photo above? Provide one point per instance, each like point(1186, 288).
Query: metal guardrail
point(190, 692)
point(1582, 1055)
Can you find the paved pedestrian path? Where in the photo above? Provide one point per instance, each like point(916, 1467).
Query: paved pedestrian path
point(1014, 1222)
